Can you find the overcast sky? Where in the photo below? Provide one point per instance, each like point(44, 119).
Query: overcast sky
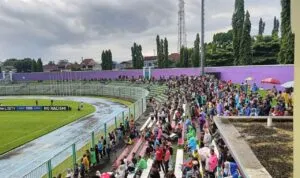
point(71, 29)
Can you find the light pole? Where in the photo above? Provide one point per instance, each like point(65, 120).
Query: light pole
point(202, 38)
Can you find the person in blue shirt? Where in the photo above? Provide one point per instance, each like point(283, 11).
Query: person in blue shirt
point(254, 88)
point(248, 110)
point(230, 170)
point(100, 149)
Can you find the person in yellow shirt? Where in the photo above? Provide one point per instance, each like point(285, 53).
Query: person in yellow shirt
point(129, 141)
point(85, 162)
point(196, 155)
point(285, 96)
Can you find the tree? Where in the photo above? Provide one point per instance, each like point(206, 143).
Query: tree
point(265, 51)
point(106, 58)
point(185, 57)
point(261, 27)
point(103, 64)
point(39, 65)
point(162, 56)
point(223, 39)
point(237, 27)
point(196, 52)
point(109, 60)
point(166, 54)
point(33, 66)
point(181, 61)
point(275, 28)
point(158, 52)
point(245, 48)
point(137, 56)
point(286, 54)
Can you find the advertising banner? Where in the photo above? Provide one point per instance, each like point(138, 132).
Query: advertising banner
point(35, 108)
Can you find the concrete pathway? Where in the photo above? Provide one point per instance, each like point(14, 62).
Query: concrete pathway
point(24, 159)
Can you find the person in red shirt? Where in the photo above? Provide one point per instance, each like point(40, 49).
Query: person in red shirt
point(159, 158)
point(167, 158)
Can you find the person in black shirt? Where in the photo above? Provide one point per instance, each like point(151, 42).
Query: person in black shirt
point(104, 144)
point(134, 160)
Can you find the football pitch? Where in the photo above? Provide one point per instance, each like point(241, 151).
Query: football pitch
point(20, 127)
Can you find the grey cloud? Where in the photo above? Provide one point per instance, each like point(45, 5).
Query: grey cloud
point(43, 27)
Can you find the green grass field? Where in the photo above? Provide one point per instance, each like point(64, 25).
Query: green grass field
point(20, 127)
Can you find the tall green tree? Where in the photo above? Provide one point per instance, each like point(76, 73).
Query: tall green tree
point(185, 57)
point(39, 64)
point(286, 54)
point(137, 56)
point(181, 59)
point(237, 27)
point(261, 27)
point(106, 58)
point(158, 52)
point(245, 48)
point(196, 52)
point(103, 59)
point(166, 54)
point(162, 56)
point(33, 66)
point(275, 28)
point(109, 59)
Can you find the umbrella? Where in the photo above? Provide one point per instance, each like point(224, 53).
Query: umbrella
point(270, 81)
point(249, 79)
point(289, 84)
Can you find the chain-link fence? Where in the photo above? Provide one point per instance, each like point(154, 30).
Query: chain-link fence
point(71, 155)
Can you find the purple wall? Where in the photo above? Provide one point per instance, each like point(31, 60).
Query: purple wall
point(237, 74)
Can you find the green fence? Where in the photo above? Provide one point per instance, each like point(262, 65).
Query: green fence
point(72, 154)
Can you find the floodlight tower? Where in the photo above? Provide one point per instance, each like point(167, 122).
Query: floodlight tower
point(202, 38)
point(181, 26)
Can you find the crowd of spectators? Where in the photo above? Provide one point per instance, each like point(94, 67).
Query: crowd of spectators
point(204, 98)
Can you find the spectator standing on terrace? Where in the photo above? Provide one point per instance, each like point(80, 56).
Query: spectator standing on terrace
point(154, 172)
point(207, 138)
point(134, 160)
point(212, 163)
point(93, 157)
point(126, 125)
point(108, 149)
point(167, 158)
point(103, 140)
point(159, 158)
point(100, 148)
point(254, 88)
point(97, 153)
point(220, 108)
point(86, 163)
point(88, 155)
point(142, 163)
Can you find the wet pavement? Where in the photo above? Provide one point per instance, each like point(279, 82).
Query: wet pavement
point(22, 160)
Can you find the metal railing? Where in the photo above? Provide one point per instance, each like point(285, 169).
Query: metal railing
point(70, 155)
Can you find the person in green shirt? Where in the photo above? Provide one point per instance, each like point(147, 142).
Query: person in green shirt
point(93, 156)
point(142, 163)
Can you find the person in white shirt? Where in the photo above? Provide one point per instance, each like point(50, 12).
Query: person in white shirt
point(207, 138)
